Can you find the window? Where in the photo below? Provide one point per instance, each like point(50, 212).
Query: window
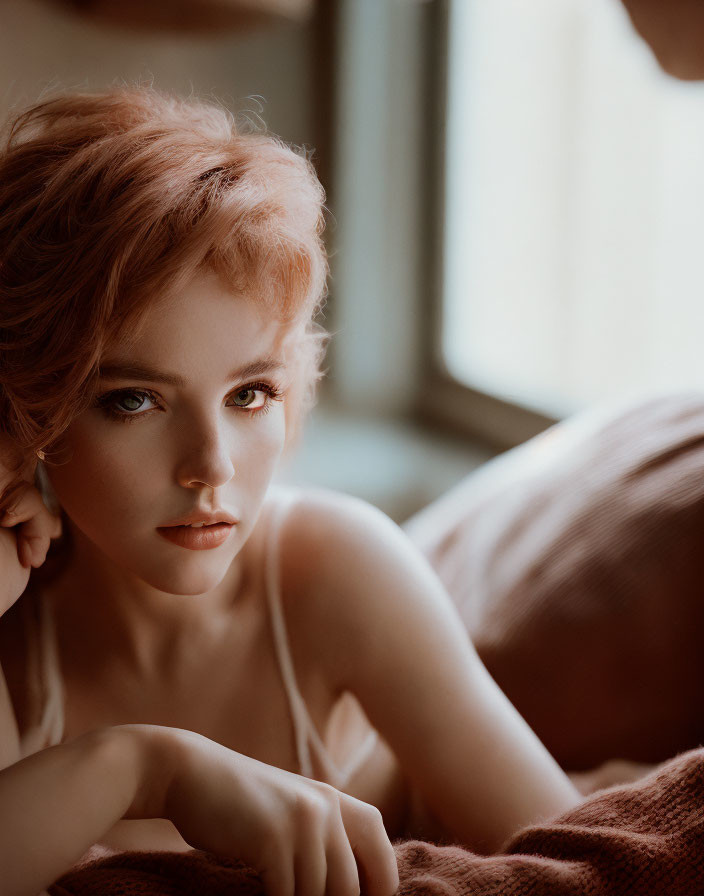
point(572, 269)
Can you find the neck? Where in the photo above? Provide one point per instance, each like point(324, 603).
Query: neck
point(105, 610)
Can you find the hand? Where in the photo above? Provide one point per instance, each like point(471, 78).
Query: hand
point(26, 525)
point(301, 835)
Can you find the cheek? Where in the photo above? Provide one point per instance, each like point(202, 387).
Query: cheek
point(102, 482)
point(112, 477)
point(256, 456)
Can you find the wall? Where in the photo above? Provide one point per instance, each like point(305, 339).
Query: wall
point(41, 47)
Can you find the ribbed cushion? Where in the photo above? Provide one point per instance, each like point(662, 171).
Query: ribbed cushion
point(577, 564)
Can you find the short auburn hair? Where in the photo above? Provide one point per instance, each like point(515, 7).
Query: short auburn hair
point(110, 198)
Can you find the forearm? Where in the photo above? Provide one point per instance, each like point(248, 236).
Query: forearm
point(56, 803)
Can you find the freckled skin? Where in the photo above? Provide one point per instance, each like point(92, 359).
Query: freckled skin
point(125, 479)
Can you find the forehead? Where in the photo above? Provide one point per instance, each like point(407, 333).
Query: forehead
point(200, 326)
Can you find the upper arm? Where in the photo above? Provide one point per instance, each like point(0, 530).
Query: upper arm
point(389, 633)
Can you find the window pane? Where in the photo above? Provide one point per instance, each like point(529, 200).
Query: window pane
point(574, 207)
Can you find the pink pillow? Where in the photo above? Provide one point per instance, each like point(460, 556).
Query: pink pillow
point(577, 564)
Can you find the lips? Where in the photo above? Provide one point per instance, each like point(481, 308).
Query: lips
point(208, 517)
point(203, 538)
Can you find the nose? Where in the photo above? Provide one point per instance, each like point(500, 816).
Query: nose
point(206, 457)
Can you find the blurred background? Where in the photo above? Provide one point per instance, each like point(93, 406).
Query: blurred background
point(514, 191)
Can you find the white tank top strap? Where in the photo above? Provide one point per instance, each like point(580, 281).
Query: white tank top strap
point(331, 772)
point(44, 683)
point(305, 732)
point(348, 706)
point(299, 712)
point(52, 720)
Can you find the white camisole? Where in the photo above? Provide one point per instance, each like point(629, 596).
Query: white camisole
point(46, 691)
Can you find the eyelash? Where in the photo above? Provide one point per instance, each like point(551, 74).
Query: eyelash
point(107, 401)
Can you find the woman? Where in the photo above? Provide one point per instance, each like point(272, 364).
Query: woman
point(267, 674)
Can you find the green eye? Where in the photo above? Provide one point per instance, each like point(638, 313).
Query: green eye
point(131, 402)
point(245, 397)
point(254, 397)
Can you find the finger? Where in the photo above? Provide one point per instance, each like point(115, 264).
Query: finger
point(25, 504)
point(56, 527)
point(50, 524)
point(343, 874)
point(24, 553)
point(12, 496)
point(311, 868)
point(35, 523)
point(37, 532)
point(371, 846)
point(278, 876)
point(310, 862)
point(37, 545)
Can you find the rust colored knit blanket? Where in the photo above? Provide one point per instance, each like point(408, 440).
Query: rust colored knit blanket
point(644, 838)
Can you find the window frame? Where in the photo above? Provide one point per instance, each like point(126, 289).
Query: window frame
point(443, 400)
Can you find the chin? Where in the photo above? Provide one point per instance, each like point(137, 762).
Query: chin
point(187, 578)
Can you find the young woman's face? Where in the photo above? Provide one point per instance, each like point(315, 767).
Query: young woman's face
point(189, 417)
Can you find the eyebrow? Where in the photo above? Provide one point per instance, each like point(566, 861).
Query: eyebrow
point(116, 371)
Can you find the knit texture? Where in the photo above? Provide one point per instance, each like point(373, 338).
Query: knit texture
point(642, 839)
point(575, 562)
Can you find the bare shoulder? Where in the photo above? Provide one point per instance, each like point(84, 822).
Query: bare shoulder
point(387, 631)
point(322, 516)
point(347, 572)
point(327, 534)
